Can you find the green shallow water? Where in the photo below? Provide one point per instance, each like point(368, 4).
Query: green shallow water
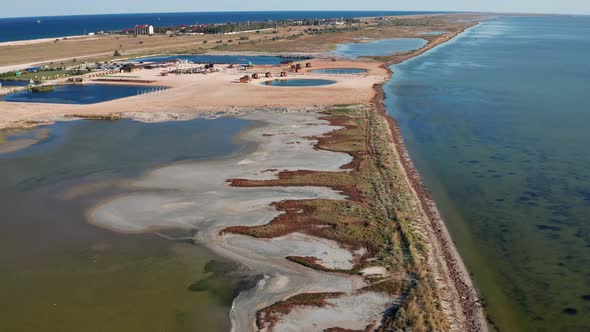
point(497, 123)
point(58, 273)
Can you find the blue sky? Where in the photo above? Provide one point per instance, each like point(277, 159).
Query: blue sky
point(71, 7)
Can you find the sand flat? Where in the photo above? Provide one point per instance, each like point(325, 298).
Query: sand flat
point(196, 196)
point(329, 253)
point(355, 312)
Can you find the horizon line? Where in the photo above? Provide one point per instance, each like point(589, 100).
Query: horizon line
point(251, 11)
point(304, 11)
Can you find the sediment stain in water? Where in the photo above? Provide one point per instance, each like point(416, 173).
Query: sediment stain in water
point(496, 122)
point(59, 273)
point(15, 140)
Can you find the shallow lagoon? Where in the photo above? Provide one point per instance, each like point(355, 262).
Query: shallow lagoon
point(80, 94)
point(59, 273)
point(497, 124)
point(378, 47)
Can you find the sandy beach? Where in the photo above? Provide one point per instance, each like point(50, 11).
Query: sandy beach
point(328, 281)
point(198, 94)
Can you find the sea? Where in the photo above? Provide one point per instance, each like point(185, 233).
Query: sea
point(27, 28)
point(498, 124)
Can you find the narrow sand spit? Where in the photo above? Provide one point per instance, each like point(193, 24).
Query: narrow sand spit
point(195, 196)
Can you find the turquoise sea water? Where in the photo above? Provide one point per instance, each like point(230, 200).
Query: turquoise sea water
point(378, 47)
point(498, 124)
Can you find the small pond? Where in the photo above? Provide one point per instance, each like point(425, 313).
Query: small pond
point(299, 82)
point(80, 94)
point(339, 71)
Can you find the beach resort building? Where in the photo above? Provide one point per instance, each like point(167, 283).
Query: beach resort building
point(144, 30)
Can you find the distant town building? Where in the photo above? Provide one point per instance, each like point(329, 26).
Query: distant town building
point(144, 30)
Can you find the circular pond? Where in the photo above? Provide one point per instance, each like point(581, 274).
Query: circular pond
point(299, 82)
point(339, 71)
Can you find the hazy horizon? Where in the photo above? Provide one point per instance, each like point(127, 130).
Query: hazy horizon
point(36, 8)
point(286, 11)
point(263, 11)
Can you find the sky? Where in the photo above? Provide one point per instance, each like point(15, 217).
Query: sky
point(12, 8)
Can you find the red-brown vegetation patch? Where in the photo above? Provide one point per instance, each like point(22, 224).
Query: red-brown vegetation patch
point(392, 286)
point(349, 139)
point(369, 328)
point(314, 263)
point(309, 261)
point(341, 221)
point(269, 316)
point(321, 218)
point(338, 181)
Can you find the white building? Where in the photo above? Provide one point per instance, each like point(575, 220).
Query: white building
point(144, 30)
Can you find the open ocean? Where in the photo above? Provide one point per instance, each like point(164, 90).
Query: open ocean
point(27, 28)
